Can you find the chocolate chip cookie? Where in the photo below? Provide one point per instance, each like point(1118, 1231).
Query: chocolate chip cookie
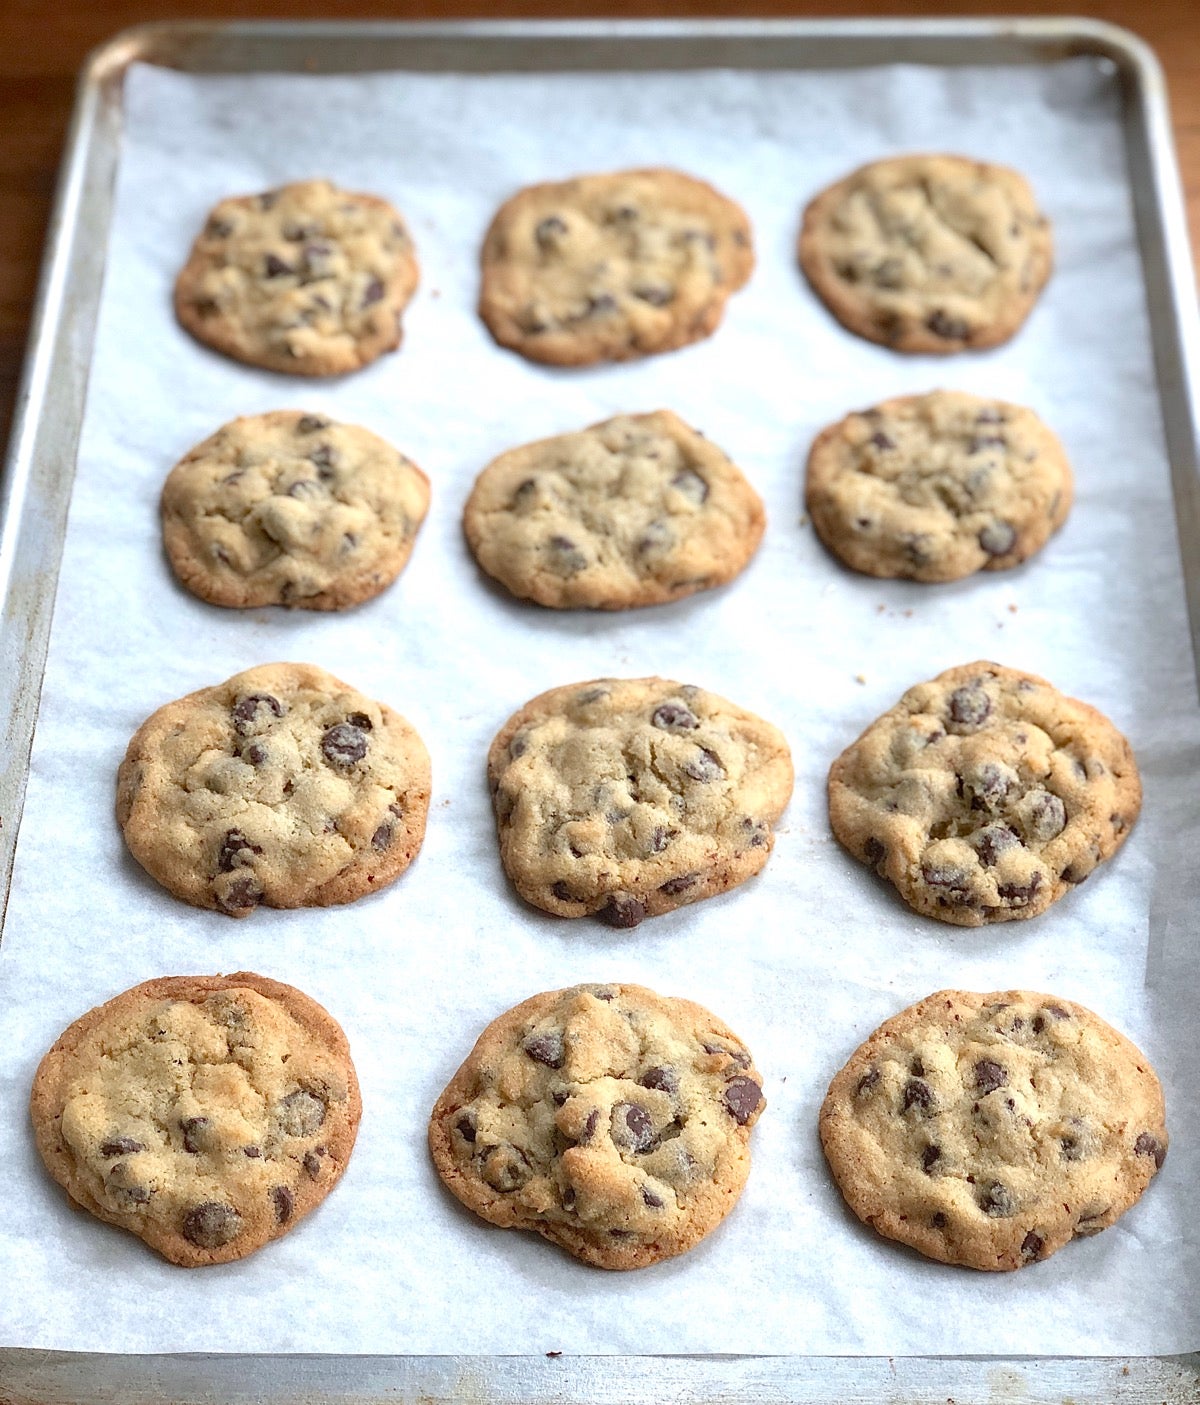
point(292, 509)
point(282, 786)
point(307, 279)
point(928, 253)
point(935, 487)
point(612, 267)
point(989, 1130)
point(205, 1114)
point(984, 795)
point(637, 510)
point(611, 1120)
point(630, 797)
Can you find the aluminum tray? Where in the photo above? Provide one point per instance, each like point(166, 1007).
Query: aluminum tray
point(35, 493)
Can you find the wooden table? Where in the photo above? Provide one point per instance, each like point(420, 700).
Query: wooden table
point(43, 43)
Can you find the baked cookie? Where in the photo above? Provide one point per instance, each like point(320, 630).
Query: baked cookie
point(291, 509)
point(988, 1130)
point(928, 253)
point(205, 1114)
point(935, 487)
point(985, 794)
point(307, 279)
point(281, 786)
point(613, 1121)
point(612, 267)
point(630, 797)
point(634, 511)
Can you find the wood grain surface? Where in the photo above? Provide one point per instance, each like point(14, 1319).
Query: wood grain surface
point(43, 44)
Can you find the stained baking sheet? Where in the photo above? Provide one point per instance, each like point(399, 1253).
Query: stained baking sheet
point(804, 961)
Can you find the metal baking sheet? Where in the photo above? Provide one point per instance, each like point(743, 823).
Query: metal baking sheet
point(37, 490)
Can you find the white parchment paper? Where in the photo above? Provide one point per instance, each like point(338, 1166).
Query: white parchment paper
point(803, 961)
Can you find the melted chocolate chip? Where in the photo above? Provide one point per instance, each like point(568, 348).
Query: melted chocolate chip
point(970, 705)
point(382, 837)
point(241, 895)
point(1047, 817)
point(566, 557)
point(997, 1200)
point(312, 1165)
point(344, 744)
point(705, 766)
point(236, 851)
point(918, 1094)
point(679, 885)
point(665, 1080)
point(465, 1127)
point(373, 292)
point(1148, 1144)
point(546, 1049)
point(326, 458)
point(633, 1127)
point(1020, 894)
point(949, 328)
point(284, 1203)
point(300, 1114)
point(562, 892)
point(245, 710)
point(195, 1131)
point(651, 1200)
point(656, 294)
point(1032, 1245)
point(589, 1127)
point(674, 717)
point(742, 1097)
point(989, 1076)
point(993, 841)
point(866, 1082)
point(211, 1225)
point(121, 1146)
point(623, 910)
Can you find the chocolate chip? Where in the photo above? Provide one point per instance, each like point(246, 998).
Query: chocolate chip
point(998, 538)
point(954, 879)
point(1020, 894)
point(241, 895)
point(281, 1196)
point(465, 1127)
point(326, 458)
point(633, 1127)
point(930, 1157)
point(970, 705)
point(568, 1198)
point(129, 1196)
point(1148, 1144)
point(1071, 1147)
point(658, 840)
point(918, 1094)
point(880, 441)
point(989, 784)
point(506, 1168)
point(589, 1127)
point(546, 1049)
point(344, 744)
point(549, 231)
point(705, 766)
point(236, 851)
point(623, 910)
point(997, 1200)
point(873, 851)
point(656, 294)
point(590, 695)
point(665, 1080)
point(276, 268)
point(121, 1146)
point(309, 424)
point(211, 1225)
point(562, 892)
point(566, 557)
point(651, 1200)
point(679, 885)
point(1032, 1245)
point(1047, 817)
point(373, 292)
point(688, 482)
point(867, 1082)
point(253, 1152)
point(951, 328)
point(888, 274)
point(218, 229)
point(300, 1114)
point(194, 1131)
point(742, 1097)
point(993, 841)
point(989, 1076)
point(939, 1220)
point(304, 488)
point(673, 716)
point(312, 1165)
point(600, 305)
point(382, 837)
point(245, 710)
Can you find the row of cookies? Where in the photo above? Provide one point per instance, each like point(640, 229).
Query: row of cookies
point(919, 253)
point(984, 795)
point(982, 1130)
point(290, 508)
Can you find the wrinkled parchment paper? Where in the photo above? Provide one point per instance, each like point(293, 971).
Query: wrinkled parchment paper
point(805, 960)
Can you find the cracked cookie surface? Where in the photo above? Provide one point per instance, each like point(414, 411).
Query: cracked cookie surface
point(290, 508)
point(306, 279)
point(928, 253)
point(990, 1130)
point(935, 487)
point(611, 1120)
point(612, 267)
point(637, 510)
point(282, 786)
point(205, 1114)
point(984, 795)
point(630, 797)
